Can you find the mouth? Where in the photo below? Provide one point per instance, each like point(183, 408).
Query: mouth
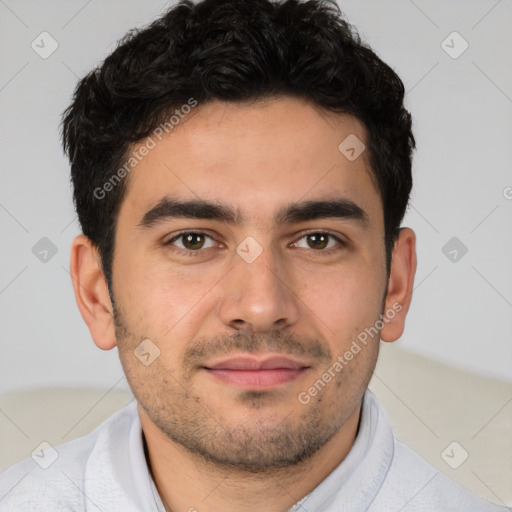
point(257, 374)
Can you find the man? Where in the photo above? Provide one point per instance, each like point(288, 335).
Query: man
point(241, 170)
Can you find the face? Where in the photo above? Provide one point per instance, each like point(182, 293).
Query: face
point(249, 254)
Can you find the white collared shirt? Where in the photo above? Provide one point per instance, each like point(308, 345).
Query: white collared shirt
point(106, 471)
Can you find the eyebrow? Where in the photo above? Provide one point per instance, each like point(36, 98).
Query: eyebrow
point(169, 208)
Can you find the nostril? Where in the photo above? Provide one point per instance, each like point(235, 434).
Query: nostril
point(239, 324)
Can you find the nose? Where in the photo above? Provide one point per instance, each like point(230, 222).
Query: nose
point(258, 296)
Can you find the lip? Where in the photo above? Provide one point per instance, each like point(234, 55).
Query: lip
point(257, 374)
point(252, 363)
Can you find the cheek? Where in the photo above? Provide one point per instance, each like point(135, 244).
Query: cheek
point(346, 297)
point(158, 297)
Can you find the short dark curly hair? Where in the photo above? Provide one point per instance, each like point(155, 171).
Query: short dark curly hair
point(232, 50)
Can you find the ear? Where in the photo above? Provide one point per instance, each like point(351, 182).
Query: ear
point(91, 292)
point(400, 285)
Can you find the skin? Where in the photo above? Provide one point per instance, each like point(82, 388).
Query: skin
point(212, 445)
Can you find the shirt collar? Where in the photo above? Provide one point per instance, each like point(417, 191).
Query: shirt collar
point(356, 481)
point(146, 484)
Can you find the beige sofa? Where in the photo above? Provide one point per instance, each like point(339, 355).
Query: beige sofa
point(460, 423)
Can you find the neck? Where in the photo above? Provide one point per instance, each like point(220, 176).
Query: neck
point(187, 482)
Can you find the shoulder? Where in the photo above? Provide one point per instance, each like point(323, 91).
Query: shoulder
point(417, 486)
point(53, 478)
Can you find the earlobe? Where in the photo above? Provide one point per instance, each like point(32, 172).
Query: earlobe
point(91, 292)
point(400, 285)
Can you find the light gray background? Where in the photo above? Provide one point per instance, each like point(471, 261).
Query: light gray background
point(461, 312)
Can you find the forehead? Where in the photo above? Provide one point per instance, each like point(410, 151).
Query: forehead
point(256, 157)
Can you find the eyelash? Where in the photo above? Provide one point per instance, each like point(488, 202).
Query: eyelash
point(187, 252)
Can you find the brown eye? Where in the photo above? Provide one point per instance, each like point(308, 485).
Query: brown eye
point(320, 241)
point(191, 241)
